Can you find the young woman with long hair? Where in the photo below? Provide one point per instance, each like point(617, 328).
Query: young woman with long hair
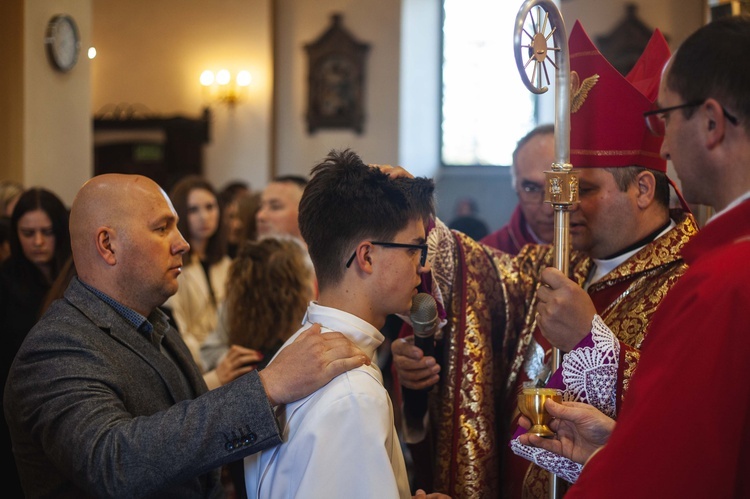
point(205, 266)
point(40, 246)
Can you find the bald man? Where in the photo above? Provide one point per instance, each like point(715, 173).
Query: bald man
point(104, 399)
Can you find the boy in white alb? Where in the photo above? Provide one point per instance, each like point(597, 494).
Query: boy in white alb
point(366, 238)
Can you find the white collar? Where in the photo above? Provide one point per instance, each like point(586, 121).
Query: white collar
point(604, 267)
point(360, 332)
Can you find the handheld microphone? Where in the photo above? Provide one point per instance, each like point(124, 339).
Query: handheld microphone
point(424, 320)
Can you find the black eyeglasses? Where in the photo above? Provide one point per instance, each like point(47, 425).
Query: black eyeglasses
point(421, 247)
point(655, 118)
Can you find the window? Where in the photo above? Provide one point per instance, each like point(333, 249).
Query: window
point(486, 107)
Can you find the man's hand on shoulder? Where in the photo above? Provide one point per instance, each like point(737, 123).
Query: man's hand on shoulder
point(307, 364)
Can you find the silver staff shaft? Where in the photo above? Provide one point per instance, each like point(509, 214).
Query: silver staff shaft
point(561, 188)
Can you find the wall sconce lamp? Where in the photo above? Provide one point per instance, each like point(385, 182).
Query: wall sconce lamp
point(221, 88)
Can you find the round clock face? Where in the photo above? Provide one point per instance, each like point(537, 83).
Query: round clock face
point(63, 43)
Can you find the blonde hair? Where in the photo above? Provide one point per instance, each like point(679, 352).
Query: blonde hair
point(9, 190)
point(268, 288)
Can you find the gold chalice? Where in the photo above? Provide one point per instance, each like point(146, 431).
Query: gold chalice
point(531, 404)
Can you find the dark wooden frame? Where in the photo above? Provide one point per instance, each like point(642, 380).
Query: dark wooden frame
point(625, 43)
point(181, 149)
point(336, 76)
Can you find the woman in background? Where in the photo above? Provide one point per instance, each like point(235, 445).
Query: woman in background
point(229, 200)
point(268, 289)
point(205, 266)
point(40, 246)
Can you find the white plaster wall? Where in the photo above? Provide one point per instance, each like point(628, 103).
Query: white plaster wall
point(152, 53)
point(298, 22)
point(57, 151)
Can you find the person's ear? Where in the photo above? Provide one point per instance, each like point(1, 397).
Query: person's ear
point(646, 183)
point(363, 257)
point(104, 245)
point(715, 123)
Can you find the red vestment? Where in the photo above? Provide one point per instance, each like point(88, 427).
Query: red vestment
point(684, 428)
point(491, 302)
point(511, 237)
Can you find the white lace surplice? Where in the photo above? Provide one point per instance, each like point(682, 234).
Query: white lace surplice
point(588, 374)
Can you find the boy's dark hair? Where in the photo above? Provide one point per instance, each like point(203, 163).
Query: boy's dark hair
point(420, 192)
point(346, 202)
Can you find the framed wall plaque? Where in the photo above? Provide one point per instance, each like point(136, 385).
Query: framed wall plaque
point(336, 75)
point(623, 46)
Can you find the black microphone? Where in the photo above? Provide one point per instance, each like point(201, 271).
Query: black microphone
point(424, 320)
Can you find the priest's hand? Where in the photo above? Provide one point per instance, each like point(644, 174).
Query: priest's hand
point(565, 310)
point(393, 171)
point(581, 430)
point(414, 370)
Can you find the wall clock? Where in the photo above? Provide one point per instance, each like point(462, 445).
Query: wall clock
point(62, 42)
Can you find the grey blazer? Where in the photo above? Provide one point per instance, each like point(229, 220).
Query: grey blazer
point(95, 409)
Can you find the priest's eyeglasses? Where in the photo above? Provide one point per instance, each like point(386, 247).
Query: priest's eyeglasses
point(530, 192)
point(655, 118)
point(421, 247)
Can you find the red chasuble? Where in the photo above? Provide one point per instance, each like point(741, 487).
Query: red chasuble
point(626, 300)
point(684, 429)
point(490, 299)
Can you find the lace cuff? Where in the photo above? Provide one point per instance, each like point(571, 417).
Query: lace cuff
point(589, 371)
point(588, 374)
point(560, 466)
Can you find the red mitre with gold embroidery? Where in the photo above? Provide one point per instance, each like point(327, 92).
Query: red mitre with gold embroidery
point(607, 128)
